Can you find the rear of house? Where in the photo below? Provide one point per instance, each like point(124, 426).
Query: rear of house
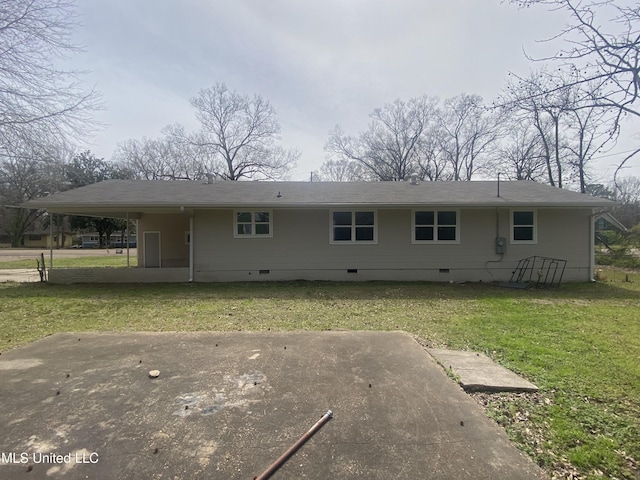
point(439, 231)
point(443, 244)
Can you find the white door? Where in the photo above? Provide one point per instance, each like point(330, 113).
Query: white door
point(152, 249)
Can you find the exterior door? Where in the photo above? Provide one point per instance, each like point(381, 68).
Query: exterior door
point(152, 249)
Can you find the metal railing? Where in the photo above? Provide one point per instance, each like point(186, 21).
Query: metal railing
point(540, 271)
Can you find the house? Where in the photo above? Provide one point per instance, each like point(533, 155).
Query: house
point(116, 240)
point(119, 240)
point(42, 239)
point(90, 240)
point(414, 230)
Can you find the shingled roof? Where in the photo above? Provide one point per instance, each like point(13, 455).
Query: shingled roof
point(119, 195)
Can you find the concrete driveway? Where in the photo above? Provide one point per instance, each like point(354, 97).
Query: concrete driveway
point(19, 275)
point(226, 405)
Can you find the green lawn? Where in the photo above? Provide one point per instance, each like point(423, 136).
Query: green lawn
point(77, 262)
point(579, 343)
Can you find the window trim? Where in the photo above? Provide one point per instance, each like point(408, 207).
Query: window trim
point(353, 240)
point(512, 227)
point(435, 226)
point(253, 233)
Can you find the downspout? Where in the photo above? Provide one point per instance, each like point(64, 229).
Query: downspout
point(191, 247)
point(50, 241)
point(592, 245)
point(128, 233)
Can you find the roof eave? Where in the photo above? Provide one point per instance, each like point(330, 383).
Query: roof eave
point(74, 209)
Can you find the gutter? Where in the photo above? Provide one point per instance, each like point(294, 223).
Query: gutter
point(611, 219)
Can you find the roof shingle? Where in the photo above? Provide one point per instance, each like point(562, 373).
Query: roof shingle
point(140, 194)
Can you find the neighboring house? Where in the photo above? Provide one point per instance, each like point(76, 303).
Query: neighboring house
point(116, 240)
point(119, 240)
point(90, 240)
point(432, 231)
point(42, 239)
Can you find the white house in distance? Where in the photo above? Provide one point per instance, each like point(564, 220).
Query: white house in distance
point(429, 231)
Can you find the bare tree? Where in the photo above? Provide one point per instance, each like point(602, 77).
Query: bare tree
point(521, 151)
point(602, 48)
point(184, 159)
point(170, 157)
point(43, 108)
point(571, 128)
point(432, 162)
point(139, 156)
point(241, 132)
point(391, 147)
point(29, 172)
point(39, 102)
point(539, 99)
point(591, 130)
point(341, 170)
point(467, 135)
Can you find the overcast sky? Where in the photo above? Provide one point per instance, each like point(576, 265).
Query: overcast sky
point(319, 63)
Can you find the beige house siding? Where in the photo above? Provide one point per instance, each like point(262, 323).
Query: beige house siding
point(174, 252)
point(300, 247)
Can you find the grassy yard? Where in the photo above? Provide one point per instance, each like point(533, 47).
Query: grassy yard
point(77, 262)
point(579, 343)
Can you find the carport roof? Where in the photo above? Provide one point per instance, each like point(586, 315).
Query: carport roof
point(136, 195)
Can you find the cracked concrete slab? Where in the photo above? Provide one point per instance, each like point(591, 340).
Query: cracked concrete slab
point(226, 405)
point(478, 373)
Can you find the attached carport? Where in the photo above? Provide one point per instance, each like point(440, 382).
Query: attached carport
point(150, 269)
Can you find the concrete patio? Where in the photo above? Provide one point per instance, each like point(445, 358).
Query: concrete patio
point(226, 405)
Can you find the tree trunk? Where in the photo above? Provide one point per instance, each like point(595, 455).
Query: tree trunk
point(556, 125)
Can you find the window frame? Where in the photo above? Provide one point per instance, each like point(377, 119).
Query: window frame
point(253, 233)
point(353, 226)
point(435, 226)
point(534, 227)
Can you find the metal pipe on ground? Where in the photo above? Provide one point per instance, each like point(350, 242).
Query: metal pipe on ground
point(295, 447)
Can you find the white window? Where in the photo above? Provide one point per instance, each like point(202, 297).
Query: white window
point(524, 226)
point(353, 226)
point(252, 223)
point(435, 226)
